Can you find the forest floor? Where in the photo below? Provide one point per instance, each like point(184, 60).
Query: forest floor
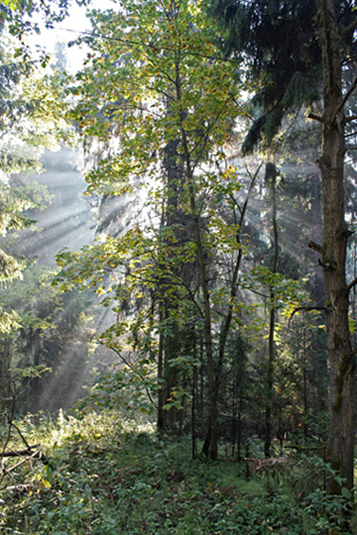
point(110, 475)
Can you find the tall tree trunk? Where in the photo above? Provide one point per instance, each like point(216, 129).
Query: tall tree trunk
point(212, 393)
point(333, 250)
point(171, 215)
point(207, 330)
point(270, 175)
point(234, 284)
point(316, 222)
point(193, 405)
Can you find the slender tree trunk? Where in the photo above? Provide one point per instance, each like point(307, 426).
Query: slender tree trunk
point(35, 382)
point(193, 406)
point(196, 223)
point(5, 378)
point(239, 426)
point(160, 376)
point(333, 251)
point(271, 174)
point(304, 371)
point(226, 323)
point(233, 416)
point(213, 413)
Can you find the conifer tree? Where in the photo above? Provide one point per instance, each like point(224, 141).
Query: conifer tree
point(296, 47)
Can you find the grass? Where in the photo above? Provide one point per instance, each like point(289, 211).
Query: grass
point(110, 475)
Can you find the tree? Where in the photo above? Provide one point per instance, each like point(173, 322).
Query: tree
point(333, 249)
point(139, 97)
point(283, 46)
point(31, 120)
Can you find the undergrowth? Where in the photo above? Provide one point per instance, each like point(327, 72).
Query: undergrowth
point(109, 475)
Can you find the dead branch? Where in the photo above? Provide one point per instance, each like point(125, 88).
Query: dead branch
point(308, 309)
point(315, 117)
point(348, 94)
point(21, 453)
point(315, 246)
point(264, 465)
point(351, 285)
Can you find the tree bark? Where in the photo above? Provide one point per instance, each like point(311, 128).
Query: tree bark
point(35, 382)
point(207, 335)
point(331, 162)
point(271, 174)
point(160, 376)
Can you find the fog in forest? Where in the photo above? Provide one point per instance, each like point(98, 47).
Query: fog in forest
point(178, 267)
point(191, 230)
point(58, 341)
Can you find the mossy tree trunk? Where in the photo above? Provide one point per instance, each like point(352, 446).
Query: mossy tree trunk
point(333, 250)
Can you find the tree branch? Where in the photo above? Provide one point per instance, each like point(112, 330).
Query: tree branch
point(315, 246)
point(347, 95)
point(23, 453)
point(11, 424)
point(308, 309)
point(351, 284)
point(350, 119)
point(316, 117)
point(349, 28)
point(352, 134)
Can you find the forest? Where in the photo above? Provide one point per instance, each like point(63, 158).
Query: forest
point(178, 267)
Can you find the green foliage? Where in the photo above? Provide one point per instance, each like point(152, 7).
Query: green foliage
point(285, 69)
point(331, 510)
point(52, 342)
point(108, 474)
point(165, 89)
point(157, 83)
point(31, 119)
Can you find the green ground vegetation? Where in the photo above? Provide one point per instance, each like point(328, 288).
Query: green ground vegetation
point(108, 474)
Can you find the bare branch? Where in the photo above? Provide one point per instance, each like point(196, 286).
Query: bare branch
point(11, 424)
point(308, 309)
point(351, 284)
point(350, 119)
point(352, 134)
point(347, 95)
point(315, 246)
point(315, 117)
point(327, 265)
point(352, 26)
point(22, 453)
